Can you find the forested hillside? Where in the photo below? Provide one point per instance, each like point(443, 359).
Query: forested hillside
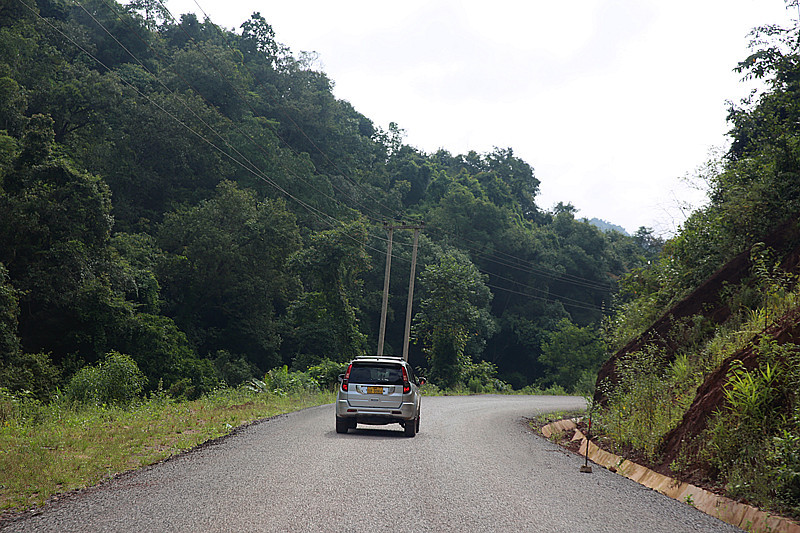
point(705, 376)
point(197, 199)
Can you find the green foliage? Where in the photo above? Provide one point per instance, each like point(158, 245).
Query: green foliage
point(748, 393)
point(323, 319)
point(752, 440)
point(233, 369)
point(228, 272)
point(326, 373)
point(162, 352)
point(50, 449)
point(18, 407)
point(116, 380)
point(569, 352)
point(650, 399)
point(135, 259)
point(9, 313)
point(453, 308)
point(240, 189)
point(481, 377)
point(281, 381)
point(786, 458)
point(33, 373)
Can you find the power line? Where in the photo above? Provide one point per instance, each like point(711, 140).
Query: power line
point(326, 219)
point(581, 305)
point(188, 84)
point(286, 115)
point(253, 169)
point(525, 266)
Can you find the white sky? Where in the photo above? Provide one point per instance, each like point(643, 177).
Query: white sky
point(612, 102)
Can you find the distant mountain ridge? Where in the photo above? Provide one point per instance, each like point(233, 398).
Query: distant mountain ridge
point(606, 226)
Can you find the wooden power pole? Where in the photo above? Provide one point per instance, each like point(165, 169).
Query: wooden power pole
point(382, 333)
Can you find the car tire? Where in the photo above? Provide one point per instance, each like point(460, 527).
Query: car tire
point(417, 423)
point(410, 428)
point(342, 425)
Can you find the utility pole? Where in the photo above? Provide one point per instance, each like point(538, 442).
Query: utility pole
point(410, 294)
point(382, 333)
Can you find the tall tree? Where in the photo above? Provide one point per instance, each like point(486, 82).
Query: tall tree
point(322, 322)
point(227, 278)
point(454, 307)
point(55, 231)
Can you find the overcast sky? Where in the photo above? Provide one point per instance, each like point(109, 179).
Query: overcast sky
point(613, 102)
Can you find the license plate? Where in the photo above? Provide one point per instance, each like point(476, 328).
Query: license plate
point(374, 390)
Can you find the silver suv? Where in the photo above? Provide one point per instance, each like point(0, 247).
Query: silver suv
point(379, 390)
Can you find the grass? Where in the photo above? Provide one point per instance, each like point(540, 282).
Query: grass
point(57, 449)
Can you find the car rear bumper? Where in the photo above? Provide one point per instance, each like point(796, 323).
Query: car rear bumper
point(376, 415)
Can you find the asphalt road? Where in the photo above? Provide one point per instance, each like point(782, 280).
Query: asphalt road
point(474, 466)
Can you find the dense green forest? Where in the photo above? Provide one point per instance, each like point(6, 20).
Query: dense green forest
point(197, 200)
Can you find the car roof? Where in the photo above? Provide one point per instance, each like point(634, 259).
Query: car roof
point(395, 359)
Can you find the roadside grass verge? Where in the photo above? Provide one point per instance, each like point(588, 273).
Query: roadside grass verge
point(52, 449)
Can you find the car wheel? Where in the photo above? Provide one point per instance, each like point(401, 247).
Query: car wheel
point(418, 423)
point(342, 425)
point(410, 429)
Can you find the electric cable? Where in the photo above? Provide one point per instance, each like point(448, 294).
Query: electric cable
point(398, 215)
point(199, 93)
point(558, 276)
point(253, 169)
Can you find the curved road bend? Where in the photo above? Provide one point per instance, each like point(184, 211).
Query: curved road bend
point(474, 466)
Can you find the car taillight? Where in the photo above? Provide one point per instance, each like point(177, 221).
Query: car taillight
point(406, 384)
point(346, 378)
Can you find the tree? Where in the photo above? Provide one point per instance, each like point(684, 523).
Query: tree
point(55, 232)
point(153, 162)
point(9, 317)
point(322, 322)
point(227, 278)
point(214, 72)
point(454, 307)
point(258, 38)
point(570, 352)
point(155, 11)
point(13, 102)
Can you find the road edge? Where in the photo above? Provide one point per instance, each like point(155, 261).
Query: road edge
point(729, 511)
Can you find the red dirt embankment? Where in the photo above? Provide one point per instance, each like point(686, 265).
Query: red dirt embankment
point(706, 301)
point(709, 397)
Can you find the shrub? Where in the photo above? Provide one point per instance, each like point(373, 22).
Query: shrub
point(281, 381)
point(640, 408)
point(474, 386)
point(753, 440)
point(234, 369)
point(195, 377)
point(786, 456)
point(34, 373)
point(482, 377)
point(326, 373)
point(18, 406)
point(116, 380)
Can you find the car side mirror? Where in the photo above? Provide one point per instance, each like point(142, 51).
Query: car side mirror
point(341, 378)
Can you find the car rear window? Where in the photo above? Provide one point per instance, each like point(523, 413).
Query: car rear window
point(376, 373)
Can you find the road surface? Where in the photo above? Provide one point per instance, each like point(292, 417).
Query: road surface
point(474, 466)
